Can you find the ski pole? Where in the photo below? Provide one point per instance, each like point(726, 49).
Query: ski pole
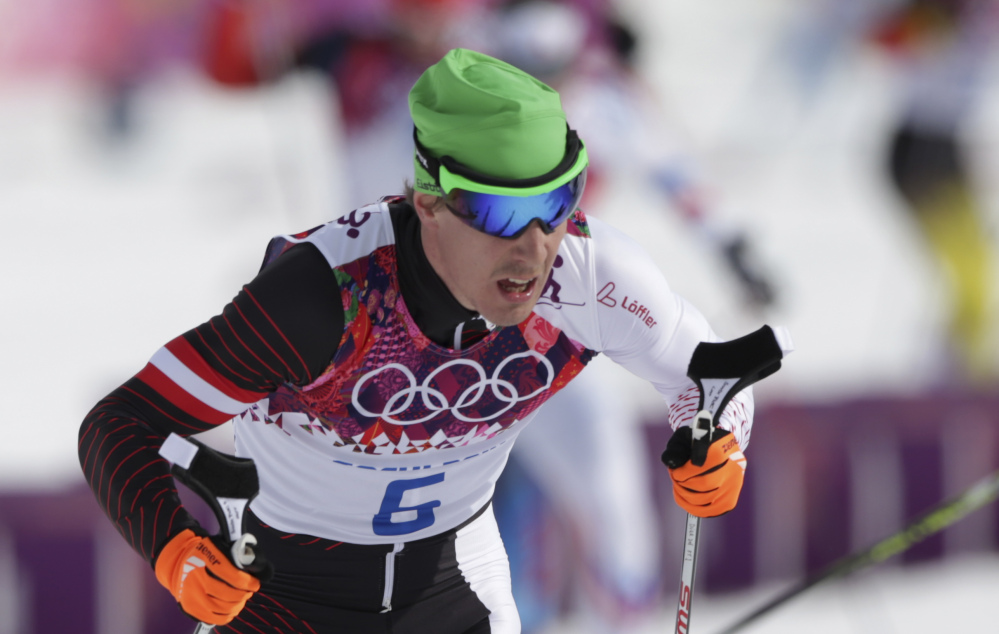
point(226, 484)
point(980, 494)
point(721, 370)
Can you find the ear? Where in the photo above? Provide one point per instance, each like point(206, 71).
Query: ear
point(427, 207)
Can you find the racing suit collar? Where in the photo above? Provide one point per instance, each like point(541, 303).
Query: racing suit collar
point(434, 309)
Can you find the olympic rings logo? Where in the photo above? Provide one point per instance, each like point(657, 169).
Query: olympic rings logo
point(435, 400)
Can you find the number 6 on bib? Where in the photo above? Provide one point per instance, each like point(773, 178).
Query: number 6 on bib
point(384, 524)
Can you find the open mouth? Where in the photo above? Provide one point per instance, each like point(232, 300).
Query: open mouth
point(517, 287)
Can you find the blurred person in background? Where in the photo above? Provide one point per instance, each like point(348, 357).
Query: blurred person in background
point(117, 45)
point(418, 284)
point(249, 43)
point(940, 52)
point(369, 60)
point(588, 52)
point(942, 49)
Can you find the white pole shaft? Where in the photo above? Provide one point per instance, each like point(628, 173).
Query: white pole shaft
point(687, 574)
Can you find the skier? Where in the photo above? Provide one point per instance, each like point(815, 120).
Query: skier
point(380, 367)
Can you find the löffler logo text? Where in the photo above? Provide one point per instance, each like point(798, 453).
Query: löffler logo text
point(633, 307)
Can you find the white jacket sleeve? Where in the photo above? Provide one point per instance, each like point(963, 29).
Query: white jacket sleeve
point(651, 331)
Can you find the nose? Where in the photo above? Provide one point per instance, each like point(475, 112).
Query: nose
point(532, 244)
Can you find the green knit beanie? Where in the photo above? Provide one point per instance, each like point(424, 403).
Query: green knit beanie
point(487, 115)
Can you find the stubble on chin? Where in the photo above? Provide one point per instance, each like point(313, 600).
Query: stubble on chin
point(513, 315)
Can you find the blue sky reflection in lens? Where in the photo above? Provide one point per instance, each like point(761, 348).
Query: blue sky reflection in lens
point(506, 216)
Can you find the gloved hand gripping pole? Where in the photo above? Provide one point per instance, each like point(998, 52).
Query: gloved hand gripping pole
point(227, 484)
point(721, 370)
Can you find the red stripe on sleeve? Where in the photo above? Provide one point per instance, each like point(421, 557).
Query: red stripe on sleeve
point(143, 490)
point(114, 473)
point(169, 531)
point(232, 331)
point(100, 482)
point(262, 340)
point(124, 486)
point(161, 412)
point(278, 330)
point(154, 378)
point(156, 520)
point(187, 355)
point(218, 356)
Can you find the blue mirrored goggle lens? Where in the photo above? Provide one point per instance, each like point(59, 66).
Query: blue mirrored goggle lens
point(509, 216)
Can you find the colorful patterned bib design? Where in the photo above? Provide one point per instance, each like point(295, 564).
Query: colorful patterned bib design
point(390, 389)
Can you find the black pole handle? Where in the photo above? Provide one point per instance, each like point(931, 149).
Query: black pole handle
point(723, 369)
point(226, 483)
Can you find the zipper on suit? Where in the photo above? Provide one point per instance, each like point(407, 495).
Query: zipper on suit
point(389, 577)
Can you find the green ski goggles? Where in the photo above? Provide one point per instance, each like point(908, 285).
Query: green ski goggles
point(505, 208)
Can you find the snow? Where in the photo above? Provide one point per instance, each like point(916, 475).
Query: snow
point(111, 251)
point(950, 597)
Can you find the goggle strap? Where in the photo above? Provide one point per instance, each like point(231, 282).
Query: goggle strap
point(429, 163)
point(433, 165)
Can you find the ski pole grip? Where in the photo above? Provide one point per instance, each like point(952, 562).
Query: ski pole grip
point(723, 369)
point(226, 483)
point(750, 358)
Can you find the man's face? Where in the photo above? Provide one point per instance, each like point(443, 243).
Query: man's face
point(499, 278)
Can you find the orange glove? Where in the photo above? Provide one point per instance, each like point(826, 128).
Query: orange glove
point(206, 584)
point(713, 488)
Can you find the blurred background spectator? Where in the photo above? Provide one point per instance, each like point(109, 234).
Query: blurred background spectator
point(939, 53)
point(942, 51)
